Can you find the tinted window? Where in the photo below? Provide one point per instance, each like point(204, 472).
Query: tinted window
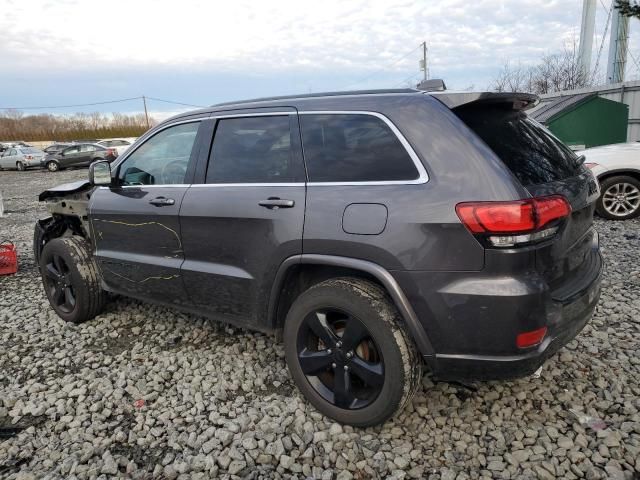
point(253, 150)
point(162, 159)
point(71, 150)
point(87, 148)
point(528, 149)
point(353, 148)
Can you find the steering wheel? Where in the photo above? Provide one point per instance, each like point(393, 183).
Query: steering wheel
point(174, 172)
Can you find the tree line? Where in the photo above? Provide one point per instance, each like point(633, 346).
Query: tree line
point(15, 125)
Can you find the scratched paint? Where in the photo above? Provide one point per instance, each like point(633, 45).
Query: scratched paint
point(143, 224)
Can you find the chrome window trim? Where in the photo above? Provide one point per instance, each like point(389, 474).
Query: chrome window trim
point(146, 136)
point(263, 184)
point(423, 177)
point(168, 185)
point(257, 114)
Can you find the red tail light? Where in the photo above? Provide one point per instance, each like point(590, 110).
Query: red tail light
point(529, 339)
point(28, 157)
point(519, 221)
point(112, 151)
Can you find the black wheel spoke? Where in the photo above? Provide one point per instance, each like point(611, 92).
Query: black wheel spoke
point(353, 334)
point(58, 294)
point(52, 272)
point(317, 321)
point(69, 298)
point(313, 363)
point(370, 373)
point(342, 393)
point(59, 264)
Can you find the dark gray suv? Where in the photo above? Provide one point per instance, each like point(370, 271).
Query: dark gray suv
point(374, 232)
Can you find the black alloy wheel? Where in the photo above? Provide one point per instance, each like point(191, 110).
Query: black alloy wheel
point(348, 351)
point(340, 359)
point(57, 278)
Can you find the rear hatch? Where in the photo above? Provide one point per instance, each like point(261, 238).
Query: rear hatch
point(544, 166)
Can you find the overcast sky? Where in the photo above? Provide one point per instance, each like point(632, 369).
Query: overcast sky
point(205, 51)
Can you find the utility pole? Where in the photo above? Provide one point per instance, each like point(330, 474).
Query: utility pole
point(423, 64)
point(146, 115)
point(586, 36)
point(618, 46)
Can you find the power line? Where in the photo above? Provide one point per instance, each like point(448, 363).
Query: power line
point(71, 106)
point(399, 84)
point(92, 104)
point(175, 103)
point(604, 35)
point(383, 69)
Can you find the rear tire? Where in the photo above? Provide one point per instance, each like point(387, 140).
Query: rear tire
point(20, 166)
point(71, 280)
point(359, 385)
point(52, 167)
point(619, 198)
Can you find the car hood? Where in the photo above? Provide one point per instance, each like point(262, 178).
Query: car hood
point(65, 189)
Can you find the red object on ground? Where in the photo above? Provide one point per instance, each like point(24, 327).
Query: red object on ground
point(8, 258)
point(139, 403)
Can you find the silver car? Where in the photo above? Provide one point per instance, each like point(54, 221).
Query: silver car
point(21, 158)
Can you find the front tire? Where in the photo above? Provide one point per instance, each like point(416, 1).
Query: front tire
point(52, 167)
point(20, 166)
point(71, 280)
point(349, 353)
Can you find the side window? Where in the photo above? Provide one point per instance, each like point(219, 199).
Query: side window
point(71, 150)
point(162, 159)
point(87, 148)
point(353, 148)
point(254, 150)
point(13, 152)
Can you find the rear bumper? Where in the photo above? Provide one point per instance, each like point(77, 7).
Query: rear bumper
point(473, 318)
point(568, 322)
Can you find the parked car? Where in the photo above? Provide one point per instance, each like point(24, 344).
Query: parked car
point(56, 147)
point(78, 155)
point(21, 158)
point(121, 145)
point(617, 168)
point(373, 232)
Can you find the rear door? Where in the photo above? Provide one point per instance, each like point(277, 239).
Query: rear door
point(544, 166)
point(135, 223)
point(245, 217)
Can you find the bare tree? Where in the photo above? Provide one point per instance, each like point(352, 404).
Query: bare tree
point(14, 125)
point(555, 72)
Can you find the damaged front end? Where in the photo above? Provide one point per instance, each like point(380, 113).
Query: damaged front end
point(68, 205)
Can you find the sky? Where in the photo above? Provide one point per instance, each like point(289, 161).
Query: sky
point(201, 52)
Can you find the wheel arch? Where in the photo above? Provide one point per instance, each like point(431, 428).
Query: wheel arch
point(299, 272)
point(617, 172)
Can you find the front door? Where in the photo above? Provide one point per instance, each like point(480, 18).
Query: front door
point(135, 223)
point(245, 218)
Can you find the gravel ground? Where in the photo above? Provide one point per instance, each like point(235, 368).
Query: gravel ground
point(147, 392)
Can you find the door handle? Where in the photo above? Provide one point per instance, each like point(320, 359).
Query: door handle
point(162, 201)
point(274, 203)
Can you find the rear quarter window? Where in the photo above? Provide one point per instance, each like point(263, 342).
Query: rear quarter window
point(353, 148)
point(526, 147)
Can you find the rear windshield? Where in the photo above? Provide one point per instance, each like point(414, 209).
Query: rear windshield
point(528, 149)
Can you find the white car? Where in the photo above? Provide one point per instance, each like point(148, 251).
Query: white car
point(617, 168)
point(120, 144)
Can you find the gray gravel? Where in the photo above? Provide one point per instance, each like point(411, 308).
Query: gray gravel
point(147, 392)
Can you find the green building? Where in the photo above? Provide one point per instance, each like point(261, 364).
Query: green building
point(583, 120)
